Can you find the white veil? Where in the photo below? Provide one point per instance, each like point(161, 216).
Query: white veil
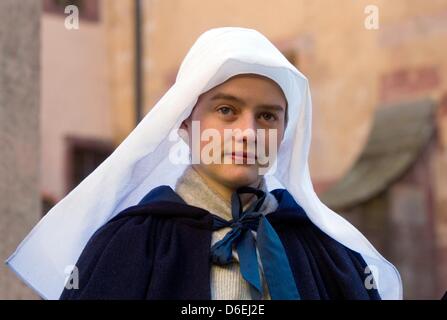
point(141, 162)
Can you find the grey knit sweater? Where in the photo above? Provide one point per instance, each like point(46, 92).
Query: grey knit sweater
point(227, 282)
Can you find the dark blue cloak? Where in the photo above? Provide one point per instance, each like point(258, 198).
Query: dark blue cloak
point(160, 249)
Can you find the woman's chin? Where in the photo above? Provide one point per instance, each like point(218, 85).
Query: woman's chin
point(240, 174)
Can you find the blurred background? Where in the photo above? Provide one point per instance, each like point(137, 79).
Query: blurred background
point(70, 94)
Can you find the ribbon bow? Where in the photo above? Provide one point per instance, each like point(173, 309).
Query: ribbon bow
point(275, 263)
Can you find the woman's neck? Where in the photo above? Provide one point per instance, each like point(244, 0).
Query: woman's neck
point(225, 192)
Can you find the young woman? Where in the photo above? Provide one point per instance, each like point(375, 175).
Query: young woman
point(233, 217)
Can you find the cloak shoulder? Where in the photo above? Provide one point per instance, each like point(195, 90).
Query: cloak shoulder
point(160, 249)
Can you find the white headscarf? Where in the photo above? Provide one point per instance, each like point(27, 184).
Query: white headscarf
point(141, 162)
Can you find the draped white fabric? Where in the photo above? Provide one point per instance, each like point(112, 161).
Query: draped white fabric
point(141, 162)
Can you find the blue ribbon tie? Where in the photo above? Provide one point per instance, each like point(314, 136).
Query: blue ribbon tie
point(275, 264)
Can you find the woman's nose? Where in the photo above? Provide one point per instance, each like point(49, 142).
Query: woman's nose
point(247, 125)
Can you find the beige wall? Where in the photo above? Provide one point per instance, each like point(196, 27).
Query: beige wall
point(75, 98)
point(119, 22)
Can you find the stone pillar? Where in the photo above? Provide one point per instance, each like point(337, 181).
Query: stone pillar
point(19, 133)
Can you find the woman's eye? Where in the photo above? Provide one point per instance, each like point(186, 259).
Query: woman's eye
point(268, 116)
point(225, 110)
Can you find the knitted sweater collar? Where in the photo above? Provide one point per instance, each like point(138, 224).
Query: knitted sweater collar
point(195, 191)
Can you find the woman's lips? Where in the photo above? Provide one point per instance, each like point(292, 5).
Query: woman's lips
point(244, 156)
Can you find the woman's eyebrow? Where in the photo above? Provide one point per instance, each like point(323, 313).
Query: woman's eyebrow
point(225, 96)
point(272, 106)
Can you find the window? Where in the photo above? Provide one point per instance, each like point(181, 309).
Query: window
point(88, 9)
point(83, 157)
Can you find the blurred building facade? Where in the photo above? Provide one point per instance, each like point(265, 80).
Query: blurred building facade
point(19, 133)
point(392, 194)
point(88, 82)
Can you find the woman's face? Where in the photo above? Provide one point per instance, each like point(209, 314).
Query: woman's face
point(247, 102)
